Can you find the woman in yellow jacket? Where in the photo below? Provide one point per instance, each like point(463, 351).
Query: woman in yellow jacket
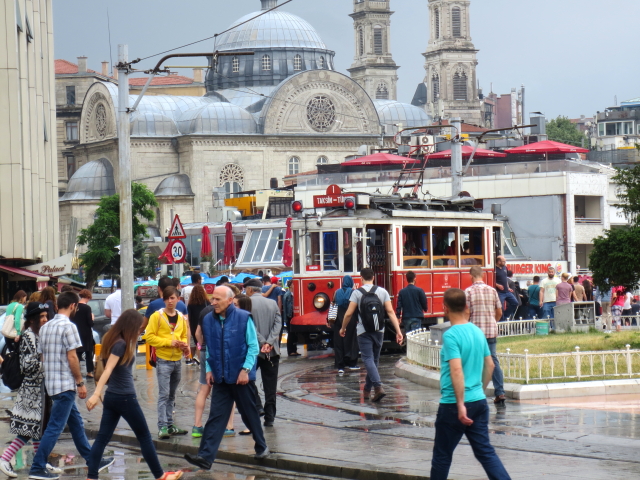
point(167, 332)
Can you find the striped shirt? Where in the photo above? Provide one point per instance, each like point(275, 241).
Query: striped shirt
point(482, 301)
point(57, 337)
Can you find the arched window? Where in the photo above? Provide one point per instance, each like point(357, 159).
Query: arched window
point(293, 166)
point(266, 63)
point(236, 64)
point(361, 41)
point(232, 179)
point(322, 160)
point(321, 62)
point(436, 22)
point(460, 86)
point(382, 92)
point(435, 86)
point(456, 22)
point(377, 40)
point(297, 63)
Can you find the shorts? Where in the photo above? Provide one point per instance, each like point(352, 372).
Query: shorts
point(203, 367)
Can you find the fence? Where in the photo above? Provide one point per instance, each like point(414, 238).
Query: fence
point(544, 368)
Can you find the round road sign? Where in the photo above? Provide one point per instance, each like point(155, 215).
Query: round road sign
point(178, 251)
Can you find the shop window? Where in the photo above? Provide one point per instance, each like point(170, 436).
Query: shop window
point(415, 247)
point(472, 244)
point(445, 247)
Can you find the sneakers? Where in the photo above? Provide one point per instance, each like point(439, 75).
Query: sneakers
point(264, 454)
point(354, 368)
point(229, 432)
point(378, 394)
point(196, 432)
point(43, 475)
point(173, 430)
point(164, 433)
point(189, 362)
point(105, 463)
point(53, 469)
point(340, 371)
point(7, 469)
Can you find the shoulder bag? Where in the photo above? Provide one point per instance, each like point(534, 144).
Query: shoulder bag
point(9, 326)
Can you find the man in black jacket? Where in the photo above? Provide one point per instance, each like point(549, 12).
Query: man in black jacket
point(412, 303)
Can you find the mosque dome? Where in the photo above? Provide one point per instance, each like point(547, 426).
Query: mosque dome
point(173, 186)
point(392, 112)
point(153, 125)
point(217, 118)
point(92, 181)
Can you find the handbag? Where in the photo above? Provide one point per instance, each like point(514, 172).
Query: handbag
point(332, 316)
point(9, 325)
point(99, 370)
point(12, 375)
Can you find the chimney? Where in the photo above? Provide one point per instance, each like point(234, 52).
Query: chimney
point(105, 69)
point(115, 74)
point(197, 75)
point(82, 64)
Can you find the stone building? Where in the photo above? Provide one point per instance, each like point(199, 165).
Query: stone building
point(278, 112)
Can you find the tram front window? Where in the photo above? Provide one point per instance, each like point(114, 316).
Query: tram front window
point(313, 251)
point(415, 249)
point(472, 246)
point(445, 247)
point(348, 250)
point(330, 259)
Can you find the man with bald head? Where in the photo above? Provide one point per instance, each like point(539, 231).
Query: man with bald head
point(504, 292)
point(230, 366)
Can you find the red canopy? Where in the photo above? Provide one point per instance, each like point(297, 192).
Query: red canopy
point(205, 248)
point(548, 146)
point(229, 245)
point(466, 153)
point(287, 251)
point(379, 159)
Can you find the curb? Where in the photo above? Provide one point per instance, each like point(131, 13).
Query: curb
point(281, 461)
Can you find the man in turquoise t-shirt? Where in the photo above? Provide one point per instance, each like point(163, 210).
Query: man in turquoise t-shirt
point(466, 368)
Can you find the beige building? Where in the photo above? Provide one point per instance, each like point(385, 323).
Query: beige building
point(28, 174)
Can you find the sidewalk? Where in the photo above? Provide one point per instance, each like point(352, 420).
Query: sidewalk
point(323, 427)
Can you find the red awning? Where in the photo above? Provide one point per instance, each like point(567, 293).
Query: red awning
point(379, 159)
point(26, 274)
point(466, 153)
point(548, 146)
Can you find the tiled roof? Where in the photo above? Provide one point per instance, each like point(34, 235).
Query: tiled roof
point(169, 80)
point(66, 67)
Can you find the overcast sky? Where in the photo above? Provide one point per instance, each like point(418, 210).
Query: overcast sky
point(573, 56)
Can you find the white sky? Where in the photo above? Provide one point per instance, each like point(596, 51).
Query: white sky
point(573, 56)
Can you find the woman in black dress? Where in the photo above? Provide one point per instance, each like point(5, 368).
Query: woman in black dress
point(198, 301)
point(83, 320)
point(48, 296)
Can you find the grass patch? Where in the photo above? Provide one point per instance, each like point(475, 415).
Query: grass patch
point(567, 342)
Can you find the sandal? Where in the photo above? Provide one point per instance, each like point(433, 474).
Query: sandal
point(172, 475)
point(89, 375)
point(245, 432)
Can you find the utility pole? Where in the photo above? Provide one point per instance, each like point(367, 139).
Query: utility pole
point(124, 180)
point(456, 157)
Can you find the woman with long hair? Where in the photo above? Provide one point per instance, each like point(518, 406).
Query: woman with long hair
point(48, 296)
point(198, 301)
point(588, 290)
point(119, 355)
point(83, 320)
point(28, 418)
point(16, 308)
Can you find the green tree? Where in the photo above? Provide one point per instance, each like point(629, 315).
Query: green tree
point(562, 130)
point(144, 265)
point(615, 258)
point(628, 181)
point(103, 235)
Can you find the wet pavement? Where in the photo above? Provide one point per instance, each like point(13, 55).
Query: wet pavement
point(324, 427)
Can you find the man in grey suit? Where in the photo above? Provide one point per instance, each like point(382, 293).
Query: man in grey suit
point(266, 315)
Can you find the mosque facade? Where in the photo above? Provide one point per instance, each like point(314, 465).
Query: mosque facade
point(278, 112)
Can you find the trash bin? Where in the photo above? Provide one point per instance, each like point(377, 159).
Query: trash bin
point(542, 328)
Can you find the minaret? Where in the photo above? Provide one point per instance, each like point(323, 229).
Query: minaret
point(451, 63)
point(373, 67)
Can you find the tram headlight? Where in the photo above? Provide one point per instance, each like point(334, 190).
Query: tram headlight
point(321, 301)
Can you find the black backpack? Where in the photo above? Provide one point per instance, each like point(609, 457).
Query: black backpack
point(372, 311)
point(12, 375)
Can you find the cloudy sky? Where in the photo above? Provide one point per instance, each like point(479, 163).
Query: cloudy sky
point(574, 56)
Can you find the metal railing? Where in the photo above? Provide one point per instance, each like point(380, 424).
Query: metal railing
point(516, 328)
point(589, 221)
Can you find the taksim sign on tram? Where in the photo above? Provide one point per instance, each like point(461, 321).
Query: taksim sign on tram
point(333, 198)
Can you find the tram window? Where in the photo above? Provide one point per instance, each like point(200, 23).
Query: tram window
point(445, 247)
point(359, 250)
point(261, 245)
point(472, 246)
point(348, 250)
point(330, 259)
point(313, 251)
point(274, 247)
point(296, 251)
point(415, 247)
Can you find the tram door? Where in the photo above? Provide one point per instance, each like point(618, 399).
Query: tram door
point(378, 256)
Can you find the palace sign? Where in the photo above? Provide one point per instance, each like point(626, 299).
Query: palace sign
point(60, 266)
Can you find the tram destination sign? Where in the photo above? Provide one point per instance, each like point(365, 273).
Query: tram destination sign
point(333, 198)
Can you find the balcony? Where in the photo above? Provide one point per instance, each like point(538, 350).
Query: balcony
point(589, 221)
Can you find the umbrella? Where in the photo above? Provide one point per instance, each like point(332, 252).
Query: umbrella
point(287, 251)
point(546, 147)
point(229, 250)
point(205, 248)
point(241, 276)
point(379, 159)
point(466, 153)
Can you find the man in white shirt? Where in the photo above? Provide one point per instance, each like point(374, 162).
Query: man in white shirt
point(196, 279)
point(113, 306)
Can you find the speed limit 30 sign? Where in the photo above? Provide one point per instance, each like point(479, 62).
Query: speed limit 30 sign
point(178, 251)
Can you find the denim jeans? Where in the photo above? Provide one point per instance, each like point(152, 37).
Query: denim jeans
point(370, 347)
point(63, 412)
point(535, 311)
point(512, 304)
point(547, 309)
point(169, 374)
point(123, 406)
point(411, 324)
point(449, 431)
point(497, 378)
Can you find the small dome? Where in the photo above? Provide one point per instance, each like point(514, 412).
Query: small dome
point(92, 181)
point(174, 186)
point(275, 29)
point(217, 118)
point(153, 125)
point(392, 112)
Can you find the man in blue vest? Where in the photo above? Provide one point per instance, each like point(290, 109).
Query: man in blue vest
point(230, 368)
